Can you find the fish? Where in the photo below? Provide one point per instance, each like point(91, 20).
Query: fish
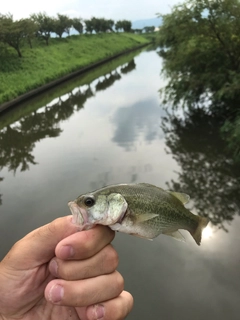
point(142, 210)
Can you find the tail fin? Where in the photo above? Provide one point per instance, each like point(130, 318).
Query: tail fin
point(197, 233)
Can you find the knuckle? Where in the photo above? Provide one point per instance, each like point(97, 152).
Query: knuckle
point(66, 273)
point(87, 272)
point(125, 306)
point(86, 242)
point(52, 227)
point(61, 273)
point(112, 257)
point(119, 282)
point(48, 230)
point(130, 303)
point(63, 270)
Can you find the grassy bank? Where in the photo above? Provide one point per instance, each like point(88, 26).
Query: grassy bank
point(43, 64)
point(44, 98)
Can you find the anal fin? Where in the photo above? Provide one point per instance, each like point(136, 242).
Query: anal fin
point(176, 235)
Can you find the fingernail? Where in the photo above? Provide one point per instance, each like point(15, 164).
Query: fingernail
point(66, 252)
point(96, 312)
point(53, 267)
point(56, 293)
point(99, 311)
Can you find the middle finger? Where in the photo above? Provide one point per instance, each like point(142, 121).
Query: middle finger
point(84, 244)
point(104, 262)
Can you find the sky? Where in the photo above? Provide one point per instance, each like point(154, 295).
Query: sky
point(115, 9)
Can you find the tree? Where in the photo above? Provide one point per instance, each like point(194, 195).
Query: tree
point(200, 46)
point(12, 32)
point(109, 25)
point(29, 28)
point(125, 25)
point(77, 25)
point(45, 25)
point(89, 26)
point(137, 30)
point(149, 29)
point(118, 25)
point(62, 24)
point(99, 25)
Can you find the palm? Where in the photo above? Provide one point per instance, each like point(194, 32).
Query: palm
point(29, 290)
point(30, 303)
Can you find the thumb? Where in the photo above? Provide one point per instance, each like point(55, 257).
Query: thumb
point(38, 247)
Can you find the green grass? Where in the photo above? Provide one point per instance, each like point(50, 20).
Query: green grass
point(43, 64)
point(44, 98)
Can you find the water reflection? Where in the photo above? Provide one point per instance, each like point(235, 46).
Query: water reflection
point(18, 137)
point(108, 81)
point(208, 172)
point(129, 67)
point(142, 117)
point(77, 98)
point(165, 276)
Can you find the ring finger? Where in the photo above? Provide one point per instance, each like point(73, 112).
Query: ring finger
point(86, 292)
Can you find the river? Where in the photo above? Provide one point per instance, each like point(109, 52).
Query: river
point(109, 126)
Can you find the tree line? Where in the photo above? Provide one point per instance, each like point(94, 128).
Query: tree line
point(200, 47)
point(15, 33)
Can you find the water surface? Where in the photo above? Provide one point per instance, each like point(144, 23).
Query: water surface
point(109, 126)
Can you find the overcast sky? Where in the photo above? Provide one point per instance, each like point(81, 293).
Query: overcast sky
point(114, 9)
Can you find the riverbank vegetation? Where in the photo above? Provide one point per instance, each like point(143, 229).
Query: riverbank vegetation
point(104, 74)
point(200, 47)
point(34, 52)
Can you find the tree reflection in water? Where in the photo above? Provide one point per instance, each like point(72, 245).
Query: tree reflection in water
point(108, 81)
point(208, 173)
point(18, 139)
point(129, 67)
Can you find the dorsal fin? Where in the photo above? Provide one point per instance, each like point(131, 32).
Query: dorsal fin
point(146, 184)
point(183, 197)
point(149, 185)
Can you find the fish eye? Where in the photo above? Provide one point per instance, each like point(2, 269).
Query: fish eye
point(89, 202)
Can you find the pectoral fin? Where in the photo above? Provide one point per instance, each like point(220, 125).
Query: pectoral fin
point(176, 235)
point(145, 217)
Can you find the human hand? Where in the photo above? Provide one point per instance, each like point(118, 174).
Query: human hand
point(56, 273)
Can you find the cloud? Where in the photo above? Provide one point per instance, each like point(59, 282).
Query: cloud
point(142, 118)
point(122, 9)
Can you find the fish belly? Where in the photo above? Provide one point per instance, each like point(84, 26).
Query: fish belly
point(141, 230)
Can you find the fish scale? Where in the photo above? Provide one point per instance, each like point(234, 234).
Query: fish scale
point(145, 198)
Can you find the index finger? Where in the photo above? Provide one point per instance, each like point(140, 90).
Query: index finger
point(38, 246)
point(84, 244)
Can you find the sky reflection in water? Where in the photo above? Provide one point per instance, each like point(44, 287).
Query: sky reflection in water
point(111, 130)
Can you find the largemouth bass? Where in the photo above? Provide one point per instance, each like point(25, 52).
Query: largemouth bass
point(142, 210)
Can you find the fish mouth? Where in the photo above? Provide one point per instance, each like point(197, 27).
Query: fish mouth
point(79, 214)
